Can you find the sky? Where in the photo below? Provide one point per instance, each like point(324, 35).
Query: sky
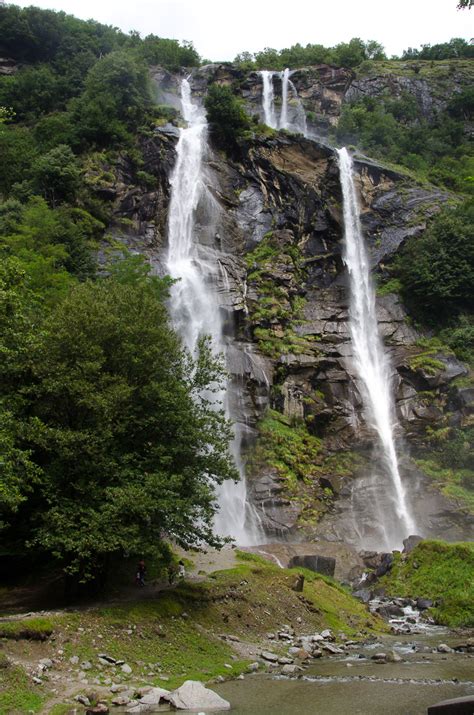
point(220, 29)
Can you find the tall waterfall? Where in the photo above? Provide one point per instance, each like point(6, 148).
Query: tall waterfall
point(268, 99)
point(284, 99)
point(298, 121)
point(194, 308)
point(372, 367)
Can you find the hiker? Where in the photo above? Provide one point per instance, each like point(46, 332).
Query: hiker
point(181, 570)
point(141, 573)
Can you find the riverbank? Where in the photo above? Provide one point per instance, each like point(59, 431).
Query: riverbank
point(210, 627)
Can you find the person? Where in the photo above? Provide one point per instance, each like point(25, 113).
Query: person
point(141, 573)
point(181, 570)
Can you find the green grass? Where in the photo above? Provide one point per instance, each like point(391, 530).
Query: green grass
point(442, 572)
point(17, 694)
point(27, 629)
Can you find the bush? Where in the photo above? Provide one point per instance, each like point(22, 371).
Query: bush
point(226, 115)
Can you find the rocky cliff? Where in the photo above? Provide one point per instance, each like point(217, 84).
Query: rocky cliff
point(276, 236)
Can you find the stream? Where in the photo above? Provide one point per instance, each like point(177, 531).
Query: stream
point(356, 684)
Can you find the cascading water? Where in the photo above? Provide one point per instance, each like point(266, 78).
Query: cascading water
point(268, 99)
point(298, 122)
point(284, 99)
point(194, 308)
point(372, 366)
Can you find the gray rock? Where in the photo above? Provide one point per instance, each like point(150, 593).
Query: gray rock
point(270, 657)
point(46, 663)
point(74, 660)
point(285, 661)
point(410, 542)
point(333, 649)
point(253, 667)
point(83, 699)
point(424, 603)
point(290, 669)
point(321, 564)
point(443, 648)
point(126, 669)
point(456, 706)
point(193, 696)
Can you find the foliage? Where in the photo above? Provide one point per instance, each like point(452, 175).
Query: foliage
point(392, 130)
point(437, 269)
point(457, 47)
point(345, 54)
point(441, 572)
point(226, 116)
point(115, 417)
point(168, 53)
point(286, 446)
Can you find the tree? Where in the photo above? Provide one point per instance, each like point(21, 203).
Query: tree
point(56, 175)
point(226, 114)
point(437, 270)
point(117, 421)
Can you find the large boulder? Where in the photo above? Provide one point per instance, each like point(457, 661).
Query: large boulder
point(321, 564)
point(193, 696)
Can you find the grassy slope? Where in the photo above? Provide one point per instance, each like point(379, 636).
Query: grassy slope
point(177, 634)
point(439, 571)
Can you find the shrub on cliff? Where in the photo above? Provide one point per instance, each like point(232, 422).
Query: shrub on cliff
point(226, 115)
point(437, 270)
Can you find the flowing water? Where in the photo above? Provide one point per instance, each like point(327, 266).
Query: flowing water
point(268, 99)
point(194, 307)
point(391, 513)
point(297, 122)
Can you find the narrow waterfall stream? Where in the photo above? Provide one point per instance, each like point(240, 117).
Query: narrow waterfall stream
point(194, 308)
point(393, 520)
point(298, 121)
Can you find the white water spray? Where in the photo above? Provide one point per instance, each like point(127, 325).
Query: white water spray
point(268, 99)
point(371, 361)
point(298, 121)
point(284, 99)
point(194, 308)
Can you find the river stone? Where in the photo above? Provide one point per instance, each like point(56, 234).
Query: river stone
point(443, 648)
point(290, 669)
point(193, 696)
point(271, 657)
point(456, 706)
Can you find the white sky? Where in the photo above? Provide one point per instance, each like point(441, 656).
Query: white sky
point(220, 29)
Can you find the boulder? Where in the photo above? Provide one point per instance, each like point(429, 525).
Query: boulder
point(193, 696)
point(456, 706)
point(321, 564)
point(410, 542)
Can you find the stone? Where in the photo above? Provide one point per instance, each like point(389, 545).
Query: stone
point(83, 699)
point(410, 542)
point(298, 584)
point(321, 564)
point(443, 648)
point(333, 649)
point(327, 635)
point(194, 696)
point(121, 700)
point(253, 667)
point(118, 688)
point(424, 603)
point(46, 663)
point(290, 669)
point(86, 665)
point(270, 657)
point(456, 706)
point(74, 660)
point(126, 669)
point(99, 709)
point(285, 661)
point(393, 657)
point(363, 594)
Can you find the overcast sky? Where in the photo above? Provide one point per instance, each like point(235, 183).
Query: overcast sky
point(219, 29)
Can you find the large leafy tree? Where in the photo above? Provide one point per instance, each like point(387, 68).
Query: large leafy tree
point(116, 417)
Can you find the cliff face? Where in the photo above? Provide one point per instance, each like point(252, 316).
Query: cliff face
point(282, 286)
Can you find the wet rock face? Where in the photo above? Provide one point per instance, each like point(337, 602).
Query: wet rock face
point(276, 238)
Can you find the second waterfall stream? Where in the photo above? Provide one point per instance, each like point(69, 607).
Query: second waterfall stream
point(373, 372)
point(194, 307)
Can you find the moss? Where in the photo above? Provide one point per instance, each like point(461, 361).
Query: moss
point(452, 482)
point(441, 572)
point(391, 286)
point(426, 358)
point(278, 310)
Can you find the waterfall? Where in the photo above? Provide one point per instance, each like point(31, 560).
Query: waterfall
point(285, 76)
point(372, 366)
point(268, 99)
point(298, 123)
point(194, 308)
